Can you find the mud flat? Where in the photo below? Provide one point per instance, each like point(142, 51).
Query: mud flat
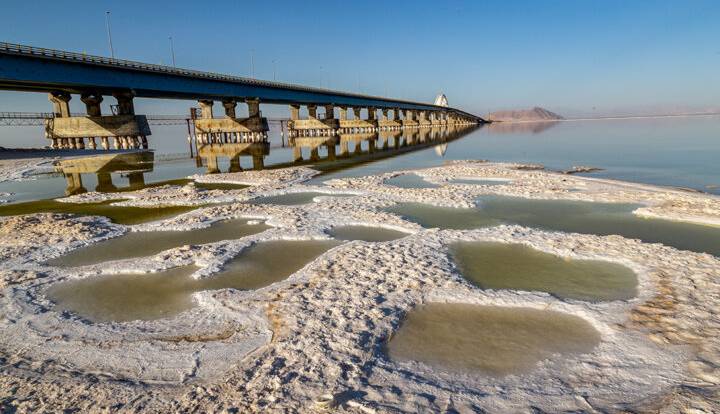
point(317, 339)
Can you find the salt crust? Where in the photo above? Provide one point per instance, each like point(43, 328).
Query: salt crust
point(315, 340)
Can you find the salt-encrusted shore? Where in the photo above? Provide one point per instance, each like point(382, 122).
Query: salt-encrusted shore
point(315, 340)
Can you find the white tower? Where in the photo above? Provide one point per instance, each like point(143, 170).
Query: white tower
point(441, 100)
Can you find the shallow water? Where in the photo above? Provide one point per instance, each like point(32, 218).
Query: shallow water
point(290, 199)
point(365, 233)
point(127, 297)
point(148, 243)
point(409, 181)
point(516, 266)
point(117, 214)
point(568, 216)
point(679, 152)
point(489, 340)
point(220, 186)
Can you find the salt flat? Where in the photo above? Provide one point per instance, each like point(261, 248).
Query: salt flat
point(316, 339)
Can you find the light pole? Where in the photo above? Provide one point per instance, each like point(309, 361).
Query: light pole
point(252, 63)
point(107, 24)
point(274, 71)
point(172, 50)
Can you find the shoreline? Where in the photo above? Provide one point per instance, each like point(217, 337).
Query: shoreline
point(323, 324)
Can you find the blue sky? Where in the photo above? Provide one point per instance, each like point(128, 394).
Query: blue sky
point(570, 56)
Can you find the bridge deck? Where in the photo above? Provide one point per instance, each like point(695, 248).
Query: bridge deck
point(37, 69)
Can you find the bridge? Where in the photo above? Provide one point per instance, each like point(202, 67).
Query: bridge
point(62, 74)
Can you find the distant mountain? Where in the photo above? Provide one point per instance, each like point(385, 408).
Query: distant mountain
point(534, 114)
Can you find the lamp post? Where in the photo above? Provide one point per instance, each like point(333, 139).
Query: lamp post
point(107, 24)
point(172, 50)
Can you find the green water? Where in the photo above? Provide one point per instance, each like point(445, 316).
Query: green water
point(516, 266)
point(365, 233)
point(409, 181)
point(568, 216)
point(220, 186)
point(489, 340)
point(128, 297)
point(148, 243)
point(295, 198)
point(117, 214)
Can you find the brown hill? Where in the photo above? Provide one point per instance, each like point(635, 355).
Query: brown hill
point(534, 114)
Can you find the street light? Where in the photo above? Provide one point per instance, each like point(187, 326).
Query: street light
point(107, 24)
point(252, 63)
point(172, 50)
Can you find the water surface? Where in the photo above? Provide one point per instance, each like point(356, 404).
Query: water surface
point(117, 214)
point(128, 297)
point(489, 340)
point(410, 181)
point(516, 266)
point(295, 198)
point(148, 243)
point(568, 216)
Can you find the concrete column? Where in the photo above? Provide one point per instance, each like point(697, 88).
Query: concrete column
point(344, 149)
point(136, 179)
point(396, 114)
point(371, 114)
point(384, 114)
point(92, 103)
point(105, 143)
point(343, 113)
point(235, 164)
point(74, 184)
point(329, 112)
point(295, 112)
point(314, 154)
point(104, 183)
point(125, 103)
point(92, 143)
point(331, 152)
point(61, 104)
point(297, 154)
point(312, 111)
point(356, 112)
point(258, 162)
point(229, 105)
point(253, 107)
point(206, 108)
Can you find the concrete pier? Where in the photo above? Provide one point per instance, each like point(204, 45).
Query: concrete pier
point(230, 129)
point(65, 131)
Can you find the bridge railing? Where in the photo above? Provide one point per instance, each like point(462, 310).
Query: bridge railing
point(13, 48)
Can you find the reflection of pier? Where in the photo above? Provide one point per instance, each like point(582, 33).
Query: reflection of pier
point(371, 145)
point(135, 165)
point(233, 151)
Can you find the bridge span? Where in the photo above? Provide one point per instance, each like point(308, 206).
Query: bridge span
point(62, 74)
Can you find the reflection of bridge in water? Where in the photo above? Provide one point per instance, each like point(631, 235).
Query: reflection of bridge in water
point(325, 153)
point(134, 165)
point(334, 152)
